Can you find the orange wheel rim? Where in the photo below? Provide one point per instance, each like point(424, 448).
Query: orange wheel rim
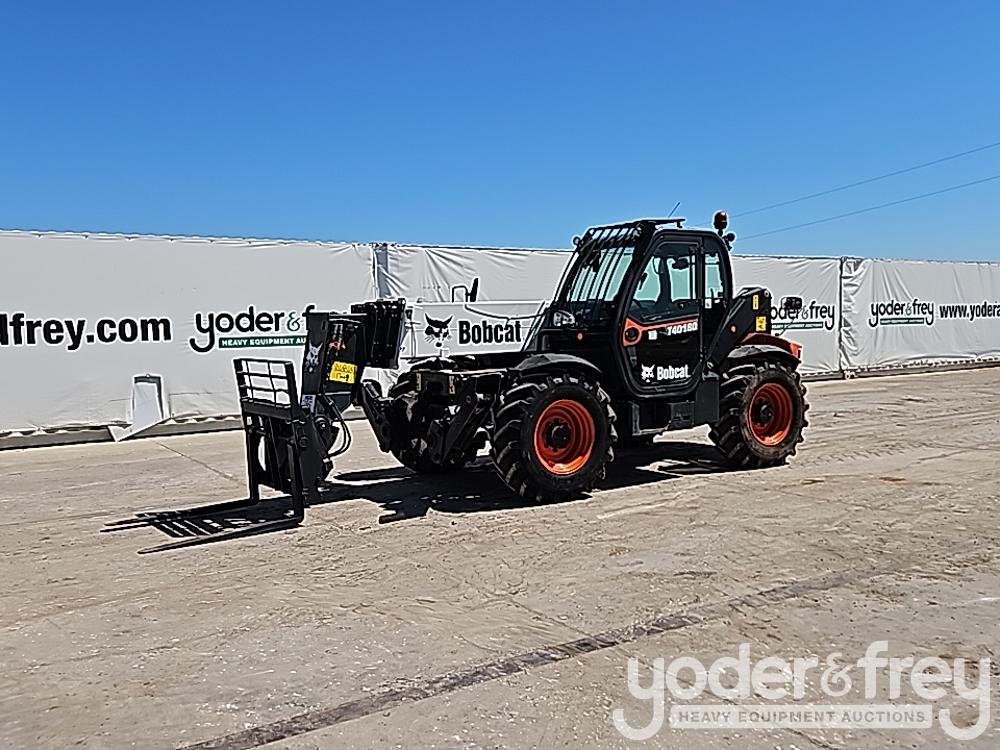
point(564, 437)
point(771, 414)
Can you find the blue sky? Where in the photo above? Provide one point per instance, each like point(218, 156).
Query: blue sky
point(513, 124)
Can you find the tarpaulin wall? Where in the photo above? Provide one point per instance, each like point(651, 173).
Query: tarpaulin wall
point(81, 315)
point(919, 313)
point(817, 282)
point(442, 274)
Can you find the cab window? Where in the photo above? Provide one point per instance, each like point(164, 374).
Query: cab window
point(667, 285)
point(715, 288)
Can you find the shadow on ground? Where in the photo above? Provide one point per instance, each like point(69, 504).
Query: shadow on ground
point(406, 495)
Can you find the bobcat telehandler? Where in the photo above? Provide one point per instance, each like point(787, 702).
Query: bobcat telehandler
point(644, 334)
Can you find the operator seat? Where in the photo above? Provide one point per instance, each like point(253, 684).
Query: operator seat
point(664, 300)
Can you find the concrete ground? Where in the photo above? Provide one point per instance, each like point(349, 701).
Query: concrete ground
point(415, 613)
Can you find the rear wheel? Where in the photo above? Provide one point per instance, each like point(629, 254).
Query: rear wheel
point(410, 422)
point(762, 409)
point(553, 435)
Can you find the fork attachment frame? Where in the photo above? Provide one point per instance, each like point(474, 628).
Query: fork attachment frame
point(284, 452)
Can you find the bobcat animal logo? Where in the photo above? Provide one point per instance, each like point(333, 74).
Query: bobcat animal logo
point(648, 373)
point(437, 330)
point(312, 356)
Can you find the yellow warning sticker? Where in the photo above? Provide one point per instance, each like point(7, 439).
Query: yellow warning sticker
point(762, 323)
point(756, 302)
point(343, 372)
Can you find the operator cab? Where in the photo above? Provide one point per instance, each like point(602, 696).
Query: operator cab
point(644, 299)
point(672, 309)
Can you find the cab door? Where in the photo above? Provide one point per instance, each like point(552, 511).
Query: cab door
point(661, 334)
point(717, 295)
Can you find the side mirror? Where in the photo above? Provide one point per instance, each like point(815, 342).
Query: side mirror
point(792, 305)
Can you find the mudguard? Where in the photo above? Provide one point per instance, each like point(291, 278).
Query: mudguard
point(557, 361)
point(765, 351)
point(769, 339)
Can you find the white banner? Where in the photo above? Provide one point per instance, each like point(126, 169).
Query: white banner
point(81, 316)
point(446, 329)
point(817, 282)
point(442, 274)
point(445, 274)
point(428, 275)
point(910, 313)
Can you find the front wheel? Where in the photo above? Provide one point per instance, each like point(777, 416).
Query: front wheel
point(410, 421)
point(762, 412)
point(553, 435)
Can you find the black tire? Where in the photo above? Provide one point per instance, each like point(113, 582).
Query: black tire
point(527, 406)
point(744, 435)
point(409, 427)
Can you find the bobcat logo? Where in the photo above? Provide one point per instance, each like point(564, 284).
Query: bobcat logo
point(312, 356)
point(660, 373)
point(437, 330)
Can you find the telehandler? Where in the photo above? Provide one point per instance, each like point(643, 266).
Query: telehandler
point(644, 334)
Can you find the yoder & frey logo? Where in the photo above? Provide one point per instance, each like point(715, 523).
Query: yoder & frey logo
point(248, 329)
point(914, 312)
point(814, 316)
point(877, 691)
